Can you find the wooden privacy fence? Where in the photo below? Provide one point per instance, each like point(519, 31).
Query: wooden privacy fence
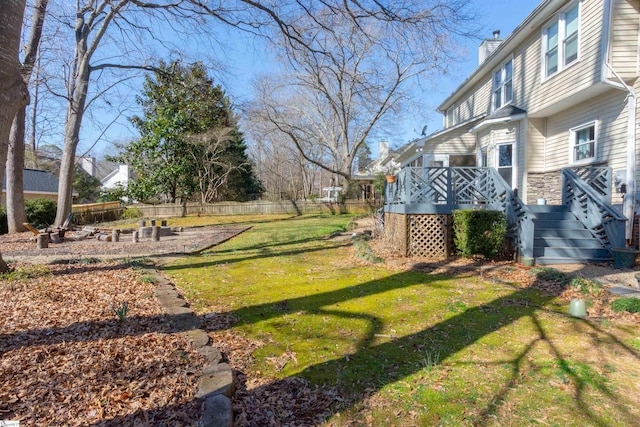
point(96, 212)
point(289, 207)
point(100, 212)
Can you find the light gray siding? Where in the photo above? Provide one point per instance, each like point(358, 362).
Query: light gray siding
point(623, 54)
point(609, 112)
point(579, 75)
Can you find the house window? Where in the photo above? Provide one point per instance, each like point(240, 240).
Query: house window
point(583, 143)
point(560, 41)
point(503, 85)
point(417, 163)
point(449, 118)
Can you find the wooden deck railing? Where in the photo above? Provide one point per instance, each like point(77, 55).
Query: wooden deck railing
point(443, 189)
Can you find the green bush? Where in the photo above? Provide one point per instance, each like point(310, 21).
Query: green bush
point(40, 212)
point(629, 304)
point(130, 213)
point(479, 232)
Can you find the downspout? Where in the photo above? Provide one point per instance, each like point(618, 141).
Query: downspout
point(629, 200)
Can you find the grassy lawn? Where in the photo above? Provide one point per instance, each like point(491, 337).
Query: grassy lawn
point(400, 347)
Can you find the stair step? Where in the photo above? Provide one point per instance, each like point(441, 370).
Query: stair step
point(567, 234)
point(552, 216)
point(536, 209)
point(560, 260)
point(573, 241)
point(565, 224)
point(570, 252)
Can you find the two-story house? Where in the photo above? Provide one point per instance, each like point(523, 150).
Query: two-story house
point(551, 108)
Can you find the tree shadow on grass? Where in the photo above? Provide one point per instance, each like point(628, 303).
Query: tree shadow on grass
point(374, 366)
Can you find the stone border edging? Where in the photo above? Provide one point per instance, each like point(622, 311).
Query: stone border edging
point(216, 384)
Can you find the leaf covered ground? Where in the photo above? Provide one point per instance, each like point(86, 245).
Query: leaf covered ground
point(67, 359)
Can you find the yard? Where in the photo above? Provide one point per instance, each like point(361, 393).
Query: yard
point(318, 333)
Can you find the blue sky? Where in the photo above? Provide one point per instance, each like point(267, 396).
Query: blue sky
point(244, 58)
point(503, 15)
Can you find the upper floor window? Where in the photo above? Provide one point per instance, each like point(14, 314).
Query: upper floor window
point(583, 143)
point(503, 85)
point(448, 118)
point(560, 41)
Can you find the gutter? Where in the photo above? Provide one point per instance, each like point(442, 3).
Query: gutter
point(629, 200)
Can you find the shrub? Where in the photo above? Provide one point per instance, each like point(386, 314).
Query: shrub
point(130, 213)
point(479, 232)
point(629, 304)
point(551, 275)
point(586, 286)
point(40, 212)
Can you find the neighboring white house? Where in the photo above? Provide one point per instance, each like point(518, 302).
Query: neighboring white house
point(385, 164)
point(119, 176)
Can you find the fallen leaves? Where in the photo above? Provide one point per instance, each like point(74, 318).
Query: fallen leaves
point(66, 359)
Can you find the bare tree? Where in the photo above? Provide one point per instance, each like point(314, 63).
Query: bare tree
point(302, 27)
point(213, 168)
point(16, 214)
point(120, 24)
point(13, 90)
point(350, 68)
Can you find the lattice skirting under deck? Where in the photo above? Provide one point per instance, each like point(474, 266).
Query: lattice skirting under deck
point(428, 236)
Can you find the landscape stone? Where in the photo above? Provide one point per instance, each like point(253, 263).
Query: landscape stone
point(218, 412)
point(216, 379)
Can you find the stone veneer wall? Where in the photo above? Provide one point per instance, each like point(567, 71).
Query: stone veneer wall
point(546, 185)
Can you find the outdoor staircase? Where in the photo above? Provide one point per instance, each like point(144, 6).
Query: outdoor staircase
point(560, 238)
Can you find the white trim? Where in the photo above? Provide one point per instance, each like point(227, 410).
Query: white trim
point(559, 20)
point(514, 161)
point(572, 134)
point(450, 121)
point(485, 123)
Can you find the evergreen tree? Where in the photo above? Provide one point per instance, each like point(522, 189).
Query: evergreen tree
point(85, 186)
point(188, 140)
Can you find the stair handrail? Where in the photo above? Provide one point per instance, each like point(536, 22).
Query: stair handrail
point(596, 177)
point(604, 222)
point(520, 219)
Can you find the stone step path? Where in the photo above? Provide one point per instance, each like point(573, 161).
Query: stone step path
point(216, 384)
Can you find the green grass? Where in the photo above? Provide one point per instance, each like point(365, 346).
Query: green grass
point(406, 347)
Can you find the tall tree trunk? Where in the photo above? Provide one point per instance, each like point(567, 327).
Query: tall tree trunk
point(75, 113)
point(16, 213)
point(13, 90)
